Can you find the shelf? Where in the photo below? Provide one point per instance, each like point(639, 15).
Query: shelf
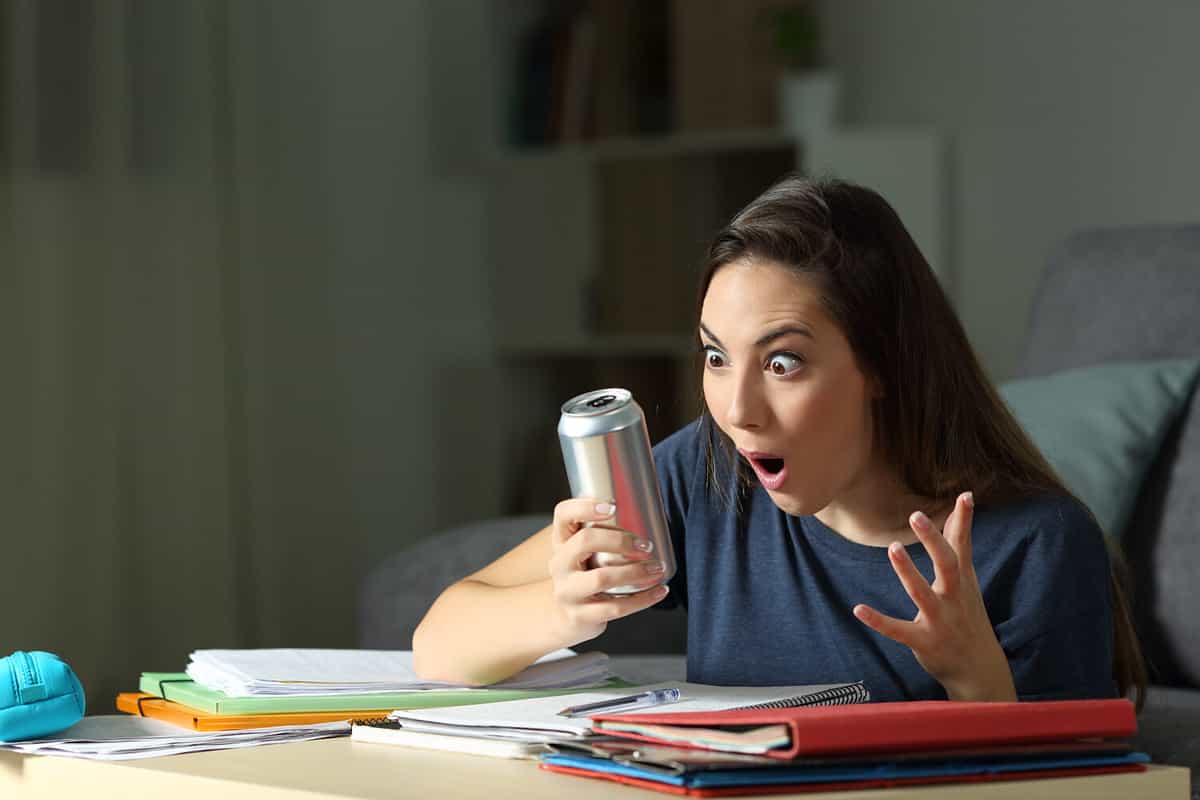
point(602, 347)
point(651, 147)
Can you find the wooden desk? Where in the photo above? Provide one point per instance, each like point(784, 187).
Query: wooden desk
point(340, 768)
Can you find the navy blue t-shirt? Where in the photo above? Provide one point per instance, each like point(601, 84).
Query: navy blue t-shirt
point(769, 595)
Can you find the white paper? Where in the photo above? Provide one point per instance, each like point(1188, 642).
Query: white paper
point(286, 672)
point(539, 715)
point(122, 737)
point(404, 737)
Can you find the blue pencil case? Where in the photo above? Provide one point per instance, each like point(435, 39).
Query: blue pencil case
point(39, 696)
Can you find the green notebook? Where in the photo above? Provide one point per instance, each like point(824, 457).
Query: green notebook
point(187, 692)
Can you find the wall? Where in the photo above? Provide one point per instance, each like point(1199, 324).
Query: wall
point(408, 272)
point(406, 269)
point(1059, 114)
point(233, 337)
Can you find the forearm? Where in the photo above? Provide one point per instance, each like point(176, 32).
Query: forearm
point(477, 634)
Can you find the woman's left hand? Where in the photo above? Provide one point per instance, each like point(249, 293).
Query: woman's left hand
point(951, 636)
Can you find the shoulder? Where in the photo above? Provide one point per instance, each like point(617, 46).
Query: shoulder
point(1053, 538)
point(1055, 515)
point(1048, 578)
point(1056, 522)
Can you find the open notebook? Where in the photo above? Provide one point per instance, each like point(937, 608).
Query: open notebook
point(521, 728)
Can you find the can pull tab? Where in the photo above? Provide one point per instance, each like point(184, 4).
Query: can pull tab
point(30, 686)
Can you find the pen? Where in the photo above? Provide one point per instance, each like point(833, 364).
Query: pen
point(656, 697)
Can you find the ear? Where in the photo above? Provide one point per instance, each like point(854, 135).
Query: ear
point(875, 388)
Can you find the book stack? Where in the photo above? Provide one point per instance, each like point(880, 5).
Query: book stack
point(805, 749)
point(239, 689)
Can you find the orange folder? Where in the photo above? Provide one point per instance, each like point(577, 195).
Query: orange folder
point(185, 717)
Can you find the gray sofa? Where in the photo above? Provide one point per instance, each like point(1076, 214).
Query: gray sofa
point(1126, 294)
point(1106, 295)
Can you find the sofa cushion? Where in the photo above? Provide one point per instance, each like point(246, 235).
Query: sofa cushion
point(1132, 294)
point(397, 592)
point(1101, 427)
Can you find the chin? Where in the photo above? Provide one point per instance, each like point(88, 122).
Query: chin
point(794, 506)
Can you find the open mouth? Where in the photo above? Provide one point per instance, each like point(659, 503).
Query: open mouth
point(770, 469)
point(772, 465)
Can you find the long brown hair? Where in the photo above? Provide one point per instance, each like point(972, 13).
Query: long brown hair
point(946, 433)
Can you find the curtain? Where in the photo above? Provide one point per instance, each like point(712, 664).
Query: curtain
point(169, 431)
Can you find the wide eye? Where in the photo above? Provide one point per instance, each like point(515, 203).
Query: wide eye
point(784, 364)
point(713, 358)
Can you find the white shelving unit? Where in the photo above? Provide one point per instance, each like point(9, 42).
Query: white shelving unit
point(599, 246)
point(593, 248)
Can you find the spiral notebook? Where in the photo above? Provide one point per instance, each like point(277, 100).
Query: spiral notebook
point(536, 721)
point(839, 694)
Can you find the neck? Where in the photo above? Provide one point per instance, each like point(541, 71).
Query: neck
point(875, 509)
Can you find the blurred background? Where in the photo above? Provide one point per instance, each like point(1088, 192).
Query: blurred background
point(286, 285)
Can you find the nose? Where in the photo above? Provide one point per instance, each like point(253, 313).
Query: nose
point(745, 408)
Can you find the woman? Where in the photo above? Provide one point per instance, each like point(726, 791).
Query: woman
point(855, 502)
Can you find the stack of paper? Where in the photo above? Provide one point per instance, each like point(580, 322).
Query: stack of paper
point(527, 725)
point(120, 738)
point(264, 673)
point(178, 688)
point(539, 717)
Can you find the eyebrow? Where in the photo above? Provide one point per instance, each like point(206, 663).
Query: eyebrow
point(766, 338)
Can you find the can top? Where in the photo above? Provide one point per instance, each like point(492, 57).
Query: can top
point(597, 413)
point(597, 401)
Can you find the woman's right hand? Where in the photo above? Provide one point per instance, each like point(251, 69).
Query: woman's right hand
point(584, 609)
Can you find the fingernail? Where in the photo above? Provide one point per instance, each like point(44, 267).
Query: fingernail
point(606, 509)
point(645, 545)
point(894, 548)
point(921, 521)
point(653, 566)
point(969, 499)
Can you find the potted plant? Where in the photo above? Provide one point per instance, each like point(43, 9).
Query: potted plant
point(808, 90)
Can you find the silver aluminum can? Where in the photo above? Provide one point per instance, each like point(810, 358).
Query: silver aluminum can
point(606, 449)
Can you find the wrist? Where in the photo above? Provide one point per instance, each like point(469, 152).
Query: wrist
point(564, 630)
point(988, 682)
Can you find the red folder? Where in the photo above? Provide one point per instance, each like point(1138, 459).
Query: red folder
point(916, 725)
